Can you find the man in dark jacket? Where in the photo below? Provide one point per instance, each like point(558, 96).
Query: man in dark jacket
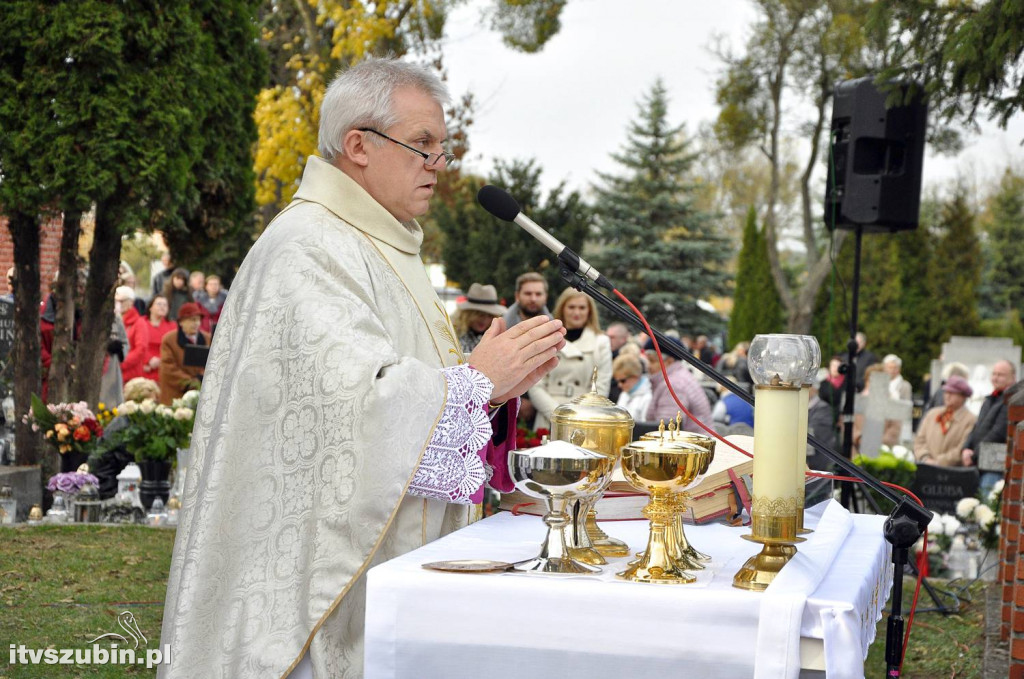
point(991, 424)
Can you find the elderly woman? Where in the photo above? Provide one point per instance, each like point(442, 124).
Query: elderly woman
point(943, 430)
point(628, 373)
point(473, 316)
point(586, 348)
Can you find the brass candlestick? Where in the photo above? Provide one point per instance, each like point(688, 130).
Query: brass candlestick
point(662, 469)
point(773, 510)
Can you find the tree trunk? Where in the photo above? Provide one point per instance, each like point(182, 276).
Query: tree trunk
point(63, 349)
point(97, 306)
point(25, 353)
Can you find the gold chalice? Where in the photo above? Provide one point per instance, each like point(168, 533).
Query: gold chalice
point(679, 546)
point(558, 472)
point(662, 469)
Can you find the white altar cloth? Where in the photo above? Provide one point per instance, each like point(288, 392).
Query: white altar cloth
point(424, 624)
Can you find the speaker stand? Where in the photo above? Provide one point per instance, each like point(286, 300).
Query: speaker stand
point(847, 497)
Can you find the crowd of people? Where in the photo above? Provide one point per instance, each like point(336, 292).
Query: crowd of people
point(947, 434)
point(149, 333)
point(622, 361)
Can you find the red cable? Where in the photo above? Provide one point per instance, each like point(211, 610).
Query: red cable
point(664, 373)
point(712, 432)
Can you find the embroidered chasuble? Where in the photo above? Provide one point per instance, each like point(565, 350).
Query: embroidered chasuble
point(333, 382)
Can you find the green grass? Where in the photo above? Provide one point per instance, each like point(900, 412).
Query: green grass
point(62, 586)
point(947, 646)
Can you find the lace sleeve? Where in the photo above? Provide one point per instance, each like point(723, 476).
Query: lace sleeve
point(452, 468)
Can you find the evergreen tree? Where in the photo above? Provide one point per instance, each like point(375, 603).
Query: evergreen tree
point(757, 308)
point(1005, 247)
point(479, 248)
point(658, 247)
point(957, 268)
point(897, 306)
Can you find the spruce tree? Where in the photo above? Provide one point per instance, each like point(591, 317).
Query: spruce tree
point(757, 308)
point(659, 248)
point(1005, 247)
point(957, 268)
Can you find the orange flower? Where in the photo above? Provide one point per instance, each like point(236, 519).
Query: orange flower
point(83, 433)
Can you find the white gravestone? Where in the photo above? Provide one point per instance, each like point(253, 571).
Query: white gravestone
point(979, 354)
point(877, 407)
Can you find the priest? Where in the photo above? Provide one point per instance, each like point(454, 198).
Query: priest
point(339, 423)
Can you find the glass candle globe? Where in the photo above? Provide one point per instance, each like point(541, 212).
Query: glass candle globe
point(779, 359)
point(814, 359)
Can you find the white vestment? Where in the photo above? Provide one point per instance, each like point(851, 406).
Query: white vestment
point(323, 389)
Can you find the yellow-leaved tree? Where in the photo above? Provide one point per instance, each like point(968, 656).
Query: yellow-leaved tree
point(309, 40)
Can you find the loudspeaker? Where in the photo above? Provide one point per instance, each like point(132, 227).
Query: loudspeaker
point(874, 173)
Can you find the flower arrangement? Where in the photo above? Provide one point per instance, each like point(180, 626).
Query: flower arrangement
point(71, 483)
point(69, 427)
point(104, 415)
point(528, 438)
point(982, 517)
point(154, 431)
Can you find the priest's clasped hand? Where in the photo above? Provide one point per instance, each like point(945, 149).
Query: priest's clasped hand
point(515, 359)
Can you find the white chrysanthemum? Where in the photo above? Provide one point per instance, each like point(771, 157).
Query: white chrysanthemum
point(128, 408)
point(996, 490)
point(966, 507)
point(919, 545)
point(903, 453)
point(183, 414)
point(147, 406)
point(935, 525)
point(950, 525)
point(164, 411)
point(984, 515)
point(190, 398)
point(934, 548)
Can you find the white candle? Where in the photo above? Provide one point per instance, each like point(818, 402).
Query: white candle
point(801, 441)
point(775, 441)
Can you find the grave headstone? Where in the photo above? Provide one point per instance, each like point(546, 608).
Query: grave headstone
point(876, 408)
point(940, 488)
point(979, 354)
point(6, 328)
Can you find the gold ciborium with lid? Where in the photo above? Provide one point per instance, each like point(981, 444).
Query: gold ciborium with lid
point(594, 422)
point(662, 469)
point(679, 546)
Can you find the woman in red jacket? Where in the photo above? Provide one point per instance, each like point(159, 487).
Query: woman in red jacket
point(144, 336)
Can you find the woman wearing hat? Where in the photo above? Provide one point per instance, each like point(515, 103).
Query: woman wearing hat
point(473, 316)
point(175, 377)
point(944, 429)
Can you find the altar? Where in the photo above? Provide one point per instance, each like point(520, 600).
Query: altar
point(818, 616)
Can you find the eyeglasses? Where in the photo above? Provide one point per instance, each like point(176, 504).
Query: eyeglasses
point(429, 159)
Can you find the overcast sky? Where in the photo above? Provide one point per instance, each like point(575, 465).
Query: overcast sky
point(569, 105)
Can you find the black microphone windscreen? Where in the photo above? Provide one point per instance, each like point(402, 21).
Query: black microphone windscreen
point(498, 202)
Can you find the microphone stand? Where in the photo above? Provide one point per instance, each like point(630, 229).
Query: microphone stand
point(906, 522)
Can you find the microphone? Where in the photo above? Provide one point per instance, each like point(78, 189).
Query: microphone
point(503, 206)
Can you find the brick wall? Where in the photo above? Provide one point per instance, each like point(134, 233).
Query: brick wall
point(1011, 546)
point(49, 252)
